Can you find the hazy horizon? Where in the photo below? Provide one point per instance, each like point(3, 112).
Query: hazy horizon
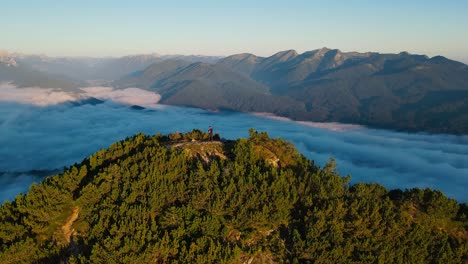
point(463, 60)
point(116, 28)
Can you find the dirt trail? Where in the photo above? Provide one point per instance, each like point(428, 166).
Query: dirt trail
point(67, 229)
point(181, 144)
point(204, 150)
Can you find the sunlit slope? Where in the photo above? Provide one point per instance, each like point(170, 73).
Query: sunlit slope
point(181, 198)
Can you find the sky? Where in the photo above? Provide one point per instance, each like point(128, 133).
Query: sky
point(208, 27)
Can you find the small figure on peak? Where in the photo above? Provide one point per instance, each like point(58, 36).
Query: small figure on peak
point(210, 133)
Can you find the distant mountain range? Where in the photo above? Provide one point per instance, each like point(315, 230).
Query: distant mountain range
point(398, 91)
point(104, 69)
point(23, 75)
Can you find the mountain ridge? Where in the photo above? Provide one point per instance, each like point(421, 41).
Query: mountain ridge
point(97, 68)
point(395, 91)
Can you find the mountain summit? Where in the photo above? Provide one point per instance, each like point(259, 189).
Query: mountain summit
point(183, 199)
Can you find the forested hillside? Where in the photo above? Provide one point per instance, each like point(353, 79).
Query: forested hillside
point(182, 199)
point(397, 91)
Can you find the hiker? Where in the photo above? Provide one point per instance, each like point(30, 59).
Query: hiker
point(210, 133)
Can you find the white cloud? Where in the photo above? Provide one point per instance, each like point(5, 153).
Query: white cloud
point(48, 138)
point(51, 96)
point(328, 125)
point(34, 95)
point(130, 96)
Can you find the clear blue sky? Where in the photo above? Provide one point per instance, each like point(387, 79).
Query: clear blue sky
point(113, 28)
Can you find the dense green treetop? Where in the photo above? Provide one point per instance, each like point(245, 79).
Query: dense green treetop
point(183, 199)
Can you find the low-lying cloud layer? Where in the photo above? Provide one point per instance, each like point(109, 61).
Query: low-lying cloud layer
point(328, 125)
point(130, 96)
point(51, 96)
point(34, 95)
point(48, 138)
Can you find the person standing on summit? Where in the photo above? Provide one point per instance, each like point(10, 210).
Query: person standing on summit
point(210, 133)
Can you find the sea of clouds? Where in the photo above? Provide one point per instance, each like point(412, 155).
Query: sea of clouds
point(53, 96)
point(46, 129)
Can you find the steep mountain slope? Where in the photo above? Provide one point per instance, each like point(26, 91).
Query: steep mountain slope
point(181, 199)
point(396, 91)
point(150, 76)
point(244, 63)
point(399, 91)
point(285, 68)
point(208, 86)
point(115, 68)
point(192, 58)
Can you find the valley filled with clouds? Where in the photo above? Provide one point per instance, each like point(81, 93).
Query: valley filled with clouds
point(43, 130)
point(52, 96)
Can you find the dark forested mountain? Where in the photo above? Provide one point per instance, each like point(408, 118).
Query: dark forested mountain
point(402, 91)
point(207, 86)
point(150, 76)
point(182, 199)
point(398, 91)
